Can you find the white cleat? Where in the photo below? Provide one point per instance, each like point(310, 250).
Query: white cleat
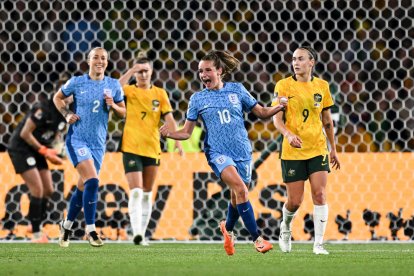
point(94, 239)
point(144, 242)
point(318, 249)
point(285, 242)
point(64, 235)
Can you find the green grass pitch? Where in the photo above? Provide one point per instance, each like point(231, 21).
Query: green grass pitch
point(204, 259)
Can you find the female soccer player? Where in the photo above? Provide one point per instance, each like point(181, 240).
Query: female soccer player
point(227, 147)
point(29, 148)
point(304, 149)
point(94, 95)
point(147, 105)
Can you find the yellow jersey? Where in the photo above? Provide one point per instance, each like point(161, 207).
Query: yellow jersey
point(144, 108)
point(302, 116)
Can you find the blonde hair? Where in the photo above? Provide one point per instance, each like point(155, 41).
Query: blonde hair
point(223, 60)
point(94, 49)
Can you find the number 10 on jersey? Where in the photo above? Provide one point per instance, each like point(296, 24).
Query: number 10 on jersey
point(225, 117)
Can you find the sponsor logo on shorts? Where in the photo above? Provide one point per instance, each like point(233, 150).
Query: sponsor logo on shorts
point(31, 161)
point(291, 172)
point(131, 163)
point(82, 151)
point(221, 159)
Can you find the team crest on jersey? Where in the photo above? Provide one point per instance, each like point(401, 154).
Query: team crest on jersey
point(108, 92)
point(317, 100)
point(155, 105)
point(233, 98)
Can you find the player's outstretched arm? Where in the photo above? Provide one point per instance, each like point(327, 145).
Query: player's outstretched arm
point(267, 112)
point(182, 134)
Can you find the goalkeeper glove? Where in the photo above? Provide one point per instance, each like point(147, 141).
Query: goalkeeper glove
point(50, 155)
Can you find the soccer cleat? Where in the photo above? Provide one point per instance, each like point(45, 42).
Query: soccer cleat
point(94, 239)
point(262, 245)
point(144, 242)
point(229, 238)
point(64, 235)
point(42, 238)
point(318, 249)
point(285, 242)
point(138, 239)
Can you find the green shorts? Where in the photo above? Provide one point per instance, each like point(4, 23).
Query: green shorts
point(296, 170)
point(136, 163)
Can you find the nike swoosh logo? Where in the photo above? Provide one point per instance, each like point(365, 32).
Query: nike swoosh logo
point(83, 92)
point(290, 97)
point(92, 202)
point(244, 211)
point(261, 247)
point(323, 220)
point(323, 164)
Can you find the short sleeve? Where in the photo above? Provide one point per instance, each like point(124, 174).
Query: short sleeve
point(165, 102)
point(39, 114)
point(119, 93)
point(327, 97)
point(69, 87)
point(247, 100)
point(192, 112)
point(278, 92)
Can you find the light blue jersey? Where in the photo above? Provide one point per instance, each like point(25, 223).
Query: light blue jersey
point(223, 118)
point(89, 104)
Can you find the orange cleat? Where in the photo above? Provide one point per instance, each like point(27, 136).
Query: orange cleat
point(262, 245)
point(229, 238)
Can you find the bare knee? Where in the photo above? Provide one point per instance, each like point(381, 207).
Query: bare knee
point(242, 194)
point(319, 198)
point(294, 203)
point(292, 206)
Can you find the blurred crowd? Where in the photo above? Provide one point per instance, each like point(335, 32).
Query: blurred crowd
point(365, 51)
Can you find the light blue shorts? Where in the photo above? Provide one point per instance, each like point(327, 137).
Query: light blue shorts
point(219, 162)
point(79, 152)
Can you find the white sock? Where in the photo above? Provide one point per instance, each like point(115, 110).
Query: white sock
point(288, 216)
point(146, 210)
point(135, 210)
point(90, 228)
point(320, 219)
point(67, 224)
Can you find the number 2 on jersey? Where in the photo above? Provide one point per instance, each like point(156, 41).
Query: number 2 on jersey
point(224, 116)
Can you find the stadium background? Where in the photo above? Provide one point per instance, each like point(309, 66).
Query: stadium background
point(365, 52)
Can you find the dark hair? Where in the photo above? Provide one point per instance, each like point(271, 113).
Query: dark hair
point(312, 53)
point(223, 60)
